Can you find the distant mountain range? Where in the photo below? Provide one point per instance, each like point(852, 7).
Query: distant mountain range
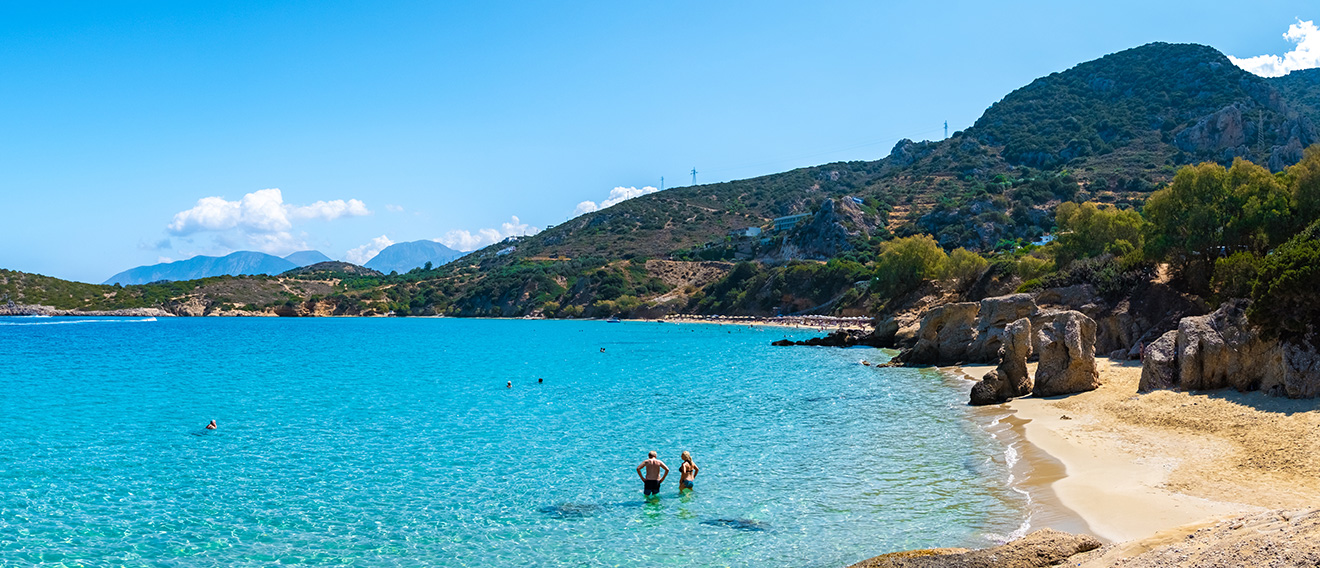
point(402, 257)
point(399, 257)
point(233, 264)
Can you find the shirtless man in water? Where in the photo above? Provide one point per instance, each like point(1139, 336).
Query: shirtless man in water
point(652, 479)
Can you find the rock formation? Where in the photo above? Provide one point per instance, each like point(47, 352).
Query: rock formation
point(1067, 356)
point(40, 310)
point(946, 332)
point(1223, 350)
point(993, 317)
point(1045, 547)
point(1159, 366)
point(967, 331)
point(1010, 379)
point(1013, 357)
point(988, 390)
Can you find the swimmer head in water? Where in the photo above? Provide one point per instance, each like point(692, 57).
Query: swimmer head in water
point(211, 426)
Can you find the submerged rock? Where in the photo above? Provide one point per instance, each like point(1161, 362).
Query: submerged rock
point(738, 524)
point(571, 510)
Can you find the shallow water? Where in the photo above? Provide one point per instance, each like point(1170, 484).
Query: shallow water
point(382, 442)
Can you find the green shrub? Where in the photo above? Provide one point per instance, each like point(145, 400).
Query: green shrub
point(1235, 275)
point(1284, 298)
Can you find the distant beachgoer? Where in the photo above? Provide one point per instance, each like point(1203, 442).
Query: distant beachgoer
point(211, 426)
point(602, 349)
point(687, 473)
point(653, 478)
point(540, 381)
point(508, 385)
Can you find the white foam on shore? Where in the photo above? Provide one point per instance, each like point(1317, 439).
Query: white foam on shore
point(1012, 457)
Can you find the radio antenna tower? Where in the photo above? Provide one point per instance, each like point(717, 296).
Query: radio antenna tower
point(946, 129)
point(662, 183)
point(694, 176)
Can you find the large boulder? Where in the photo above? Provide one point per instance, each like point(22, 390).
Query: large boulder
point(1067, 357)
point(1224, 350)
point(1301, 371)
point(945, 334)
point(1013, 357)
point(1221, 349)
point(993, 317)
point(1045, 547)
point(1159, 364)
point(1010, 379)
point(988, 390)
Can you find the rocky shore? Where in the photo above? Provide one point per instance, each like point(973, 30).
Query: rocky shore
point(36, 310)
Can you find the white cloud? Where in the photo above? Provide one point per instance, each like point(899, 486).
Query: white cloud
point(468, 240)
point(330, 210)
point(260, 220)
point(364, 253)
point(617, 195)
point(263, 211)
point(394, 208)
point(1305, 55)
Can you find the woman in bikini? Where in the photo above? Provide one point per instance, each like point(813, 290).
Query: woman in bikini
point(687, 473)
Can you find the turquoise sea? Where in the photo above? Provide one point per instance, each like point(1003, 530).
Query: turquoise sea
point(395, 442)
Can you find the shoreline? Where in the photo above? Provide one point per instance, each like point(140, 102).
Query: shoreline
point(1141, 469)
point(1032, 470)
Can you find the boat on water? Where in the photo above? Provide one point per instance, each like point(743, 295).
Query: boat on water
point(613, 319)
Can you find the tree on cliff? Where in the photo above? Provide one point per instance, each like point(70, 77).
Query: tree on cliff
point(906, 262)
point(1209, 211)
point(1087, 230)
point(1284, 299)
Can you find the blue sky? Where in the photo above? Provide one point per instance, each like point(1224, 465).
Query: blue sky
point(136, 132)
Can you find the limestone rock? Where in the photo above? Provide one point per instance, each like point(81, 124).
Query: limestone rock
point(988, 390)
point(945, 334)
point(1010, 379)
point(1221, 349)
point(1159, 365)
point(1013, 358)
point(993, 317)
point(1301, 371)
point(1045, 547)
point(1067, 357)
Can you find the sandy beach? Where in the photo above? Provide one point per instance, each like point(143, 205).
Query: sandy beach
point(1150, 467)
point(822, 324)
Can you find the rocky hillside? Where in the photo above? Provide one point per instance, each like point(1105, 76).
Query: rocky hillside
point(1110, 130)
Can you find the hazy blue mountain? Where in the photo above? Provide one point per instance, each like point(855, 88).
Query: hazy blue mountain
point(307, 258)
point(233, 264)
point(402, 257)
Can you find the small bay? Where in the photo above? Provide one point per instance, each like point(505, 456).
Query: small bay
point(395, 442)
